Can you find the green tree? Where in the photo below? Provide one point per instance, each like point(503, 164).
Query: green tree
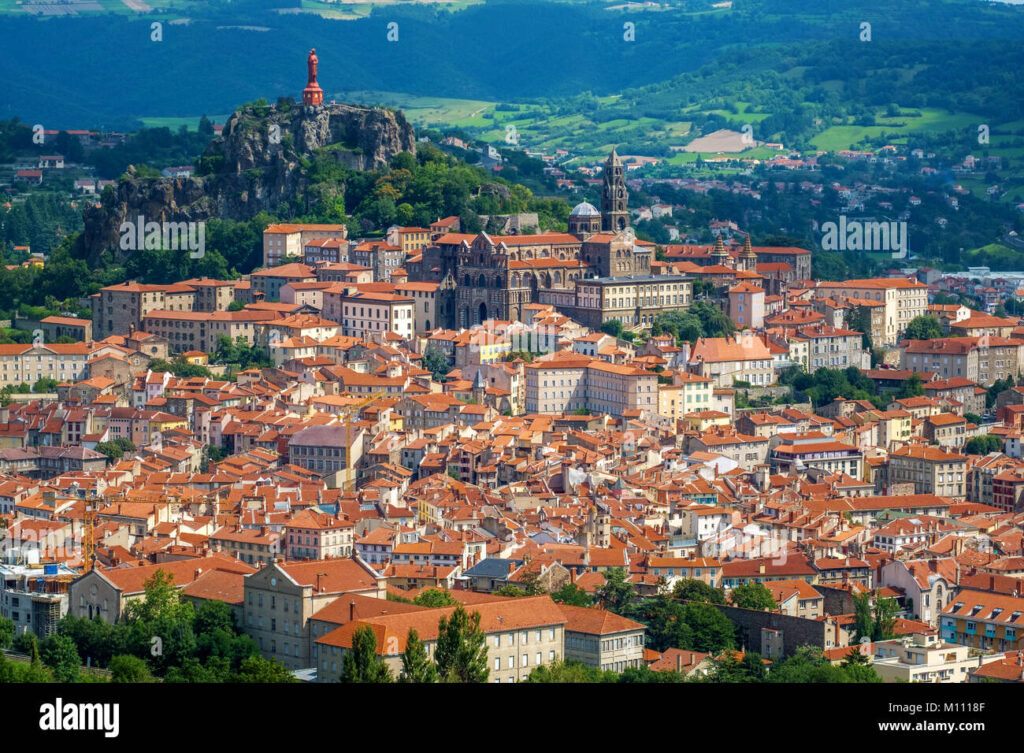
point(572, 595)
point(461, 652)
point(58, 652)
point(617, 594)
point(416, 665)
point(612, 327)
point(7, 630)
point(436, 362)
point(362, 663)
point(256, 669)
point(666, 623)
point(983, 445)
point(569, 671)
point(129, 669)
point(923, 328)
point(435, 597)
point(691, 589)
point(712, 630)
point(752, 596)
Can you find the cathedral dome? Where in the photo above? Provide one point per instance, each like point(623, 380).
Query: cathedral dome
point(584, 209)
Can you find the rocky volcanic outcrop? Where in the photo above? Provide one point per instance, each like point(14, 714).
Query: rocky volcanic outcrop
point(253, 166)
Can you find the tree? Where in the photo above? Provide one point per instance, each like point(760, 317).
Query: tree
point(875, 623)
point(461, 652)
point(58, 652)
point(983, 445)
point(732, 669)
point(617, 594)
point(416, 665)
point(923, 328)
point(361, 663)
point(666, 624)
point(612, 327)
point(7, 631)
point(45, 385)
point(691, 589)
point(753, 596)
point(436, 362)
point(512, 592)
point(913, 386)
point(572, 595)
point(569, 671)
point(712, 630)
point(256, 669)
point(129, 669)
point(435, 597)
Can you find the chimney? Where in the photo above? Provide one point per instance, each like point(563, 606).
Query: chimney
point(351, 611)
point(679, 662)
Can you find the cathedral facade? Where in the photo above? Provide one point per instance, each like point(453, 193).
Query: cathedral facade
point(496, 276)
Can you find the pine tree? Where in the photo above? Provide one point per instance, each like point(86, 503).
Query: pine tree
point(461, 648)
point(361, 663)
point(416, 665)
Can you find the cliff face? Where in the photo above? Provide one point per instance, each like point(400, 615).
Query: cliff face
point(253, 166)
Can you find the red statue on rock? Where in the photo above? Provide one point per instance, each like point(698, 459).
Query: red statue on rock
point(312, 94)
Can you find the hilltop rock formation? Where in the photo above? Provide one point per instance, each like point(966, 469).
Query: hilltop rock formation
point(255, 165)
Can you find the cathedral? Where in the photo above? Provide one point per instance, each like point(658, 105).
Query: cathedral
point(486, 276)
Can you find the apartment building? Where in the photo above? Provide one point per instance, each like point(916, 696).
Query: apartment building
point(603, 640)
point(833, 348)
point(904, 300)
point(27, 363)
point(325, 251)
point(814, 450)
point(255, 546)
point(280, 598)
point(199, 330)
point(284, 240)
point(634, 300)
point(211, 295)
point(327, 449)
point(312, 535)
point(409, 239)
point(984, 620)
point(521, 634)
point(269, 282)
point(687, 393)
point(931, 470)
point(120, 309)
point(366, 313)
point(746, 305)
point(726, 360)
point(984, 359)
point(564, 382)
point(424, 294)
point(923, 657)
point(383, 258)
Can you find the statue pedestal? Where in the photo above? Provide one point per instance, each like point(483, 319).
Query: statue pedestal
point(313, 95)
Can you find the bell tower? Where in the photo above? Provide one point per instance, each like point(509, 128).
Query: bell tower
point(614, 214)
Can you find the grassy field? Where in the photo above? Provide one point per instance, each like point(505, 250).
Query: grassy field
point(840, 137)
point(192, 122)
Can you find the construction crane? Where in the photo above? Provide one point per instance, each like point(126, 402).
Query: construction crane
point(89, 533)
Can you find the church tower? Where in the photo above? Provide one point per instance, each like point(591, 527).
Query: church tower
point(719, 256)
point(614, 214)
point(748, 259)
